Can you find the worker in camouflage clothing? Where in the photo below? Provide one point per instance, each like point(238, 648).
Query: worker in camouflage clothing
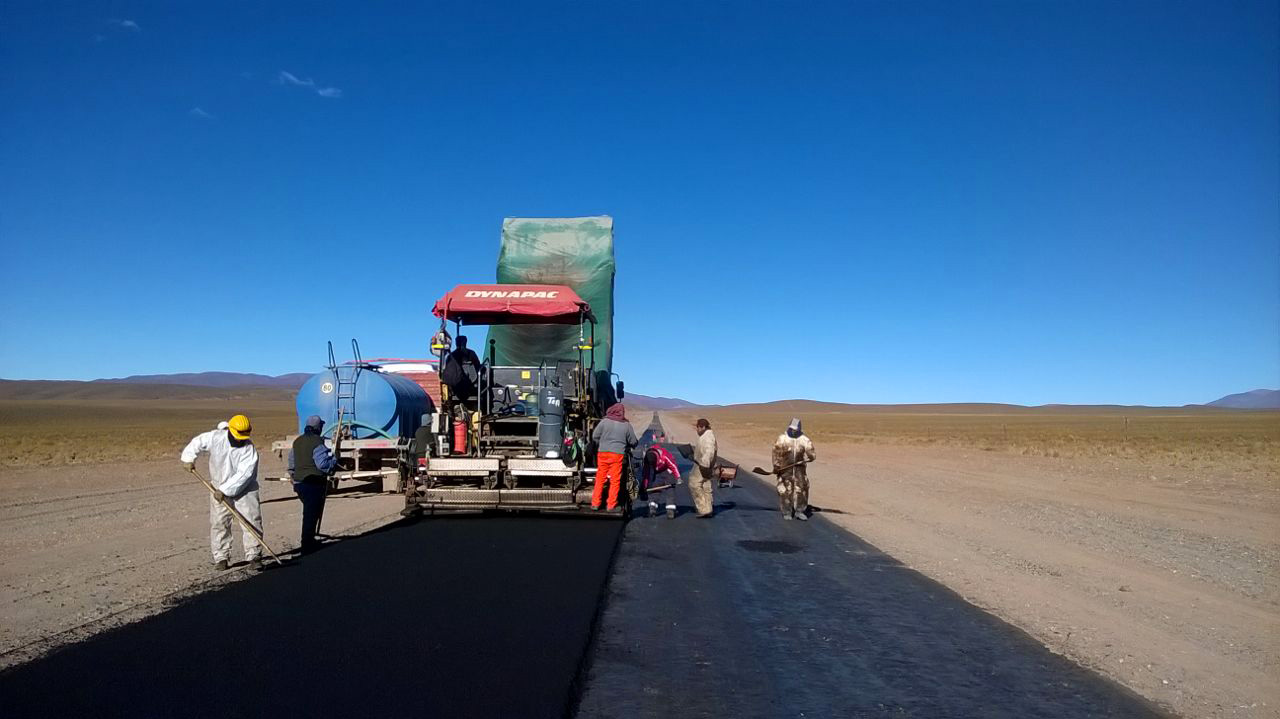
point(791, 453)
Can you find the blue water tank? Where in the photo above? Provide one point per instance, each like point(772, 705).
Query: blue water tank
point(382, 405)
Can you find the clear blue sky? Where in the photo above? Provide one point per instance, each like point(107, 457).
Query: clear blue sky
point(1025, 202)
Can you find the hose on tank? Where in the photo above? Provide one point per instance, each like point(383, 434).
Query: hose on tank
point(353, 423)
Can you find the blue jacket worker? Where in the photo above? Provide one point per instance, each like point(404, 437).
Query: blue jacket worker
point(310, 464)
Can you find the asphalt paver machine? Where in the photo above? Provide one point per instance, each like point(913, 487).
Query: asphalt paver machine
point(506, 436)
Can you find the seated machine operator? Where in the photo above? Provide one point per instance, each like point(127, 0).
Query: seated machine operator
point(461, 372)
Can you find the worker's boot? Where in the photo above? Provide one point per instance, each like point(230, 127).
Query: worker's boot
point(787, 516)
point(221, 565)
point(671, 511)
point(802, 516)
point(653, 509)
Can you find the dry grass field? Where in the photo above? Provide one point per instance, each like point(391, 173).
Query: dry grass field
point(121, 423)
point(56, 432)
point(1179, 437)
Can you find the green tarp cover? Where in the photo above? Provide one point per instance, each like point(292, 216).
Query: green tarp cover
point(575, 251)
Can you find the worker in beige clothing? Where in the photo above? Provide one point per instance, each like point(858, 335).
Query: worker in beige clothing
point(704, 462)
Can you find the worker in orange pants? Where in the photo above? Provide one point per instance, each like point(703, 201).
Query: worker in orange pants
point(615, 438)
point(608, 472)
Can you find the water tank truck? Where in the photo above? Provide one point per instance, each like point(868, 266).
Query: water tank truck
point(377, 411)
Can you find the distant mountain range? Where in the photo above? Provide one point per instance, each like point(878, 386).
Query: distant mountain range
point(293, 380)
point(640, 401)
point(154, 385)
point(1255, 399)
point(36, 389)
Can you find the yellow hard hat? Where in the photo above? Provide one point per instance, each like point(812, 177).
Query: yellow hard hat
point(239, 426)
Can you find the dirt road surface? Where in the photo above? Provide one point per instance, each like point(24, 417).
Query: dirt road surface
point(1162, 578)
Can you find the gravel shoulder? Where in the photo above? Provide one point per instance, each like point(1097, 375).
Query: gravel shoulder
point(1161, 578)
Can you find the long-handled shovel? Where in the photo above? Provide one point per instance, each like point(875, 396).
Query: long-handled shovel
point(239, 517)
point(761, 470)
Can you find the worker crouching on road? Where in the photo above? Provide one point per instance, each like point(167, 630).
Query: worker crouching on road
point(614, 438)
point(791, 453)
point(310, 465)
point(233, 472)
point(656, 461)
point(704, 462)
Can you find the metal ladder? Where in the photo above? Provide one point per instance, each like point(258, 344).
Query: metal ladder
point(346, 388)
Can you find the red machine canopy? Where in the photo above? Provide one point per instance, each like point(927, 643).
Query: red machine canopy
point(513, 305)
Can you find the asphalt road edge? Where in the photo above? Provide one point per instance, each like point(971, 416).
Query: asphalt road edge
point(579, 682)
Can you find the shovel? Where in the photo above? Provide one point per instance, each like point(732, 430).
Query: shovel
point(761, 470)
point(239, 517)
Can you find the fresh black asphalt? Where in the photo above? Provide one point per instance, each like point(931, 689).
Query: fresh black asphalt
point(742, 615)
point(447, 617)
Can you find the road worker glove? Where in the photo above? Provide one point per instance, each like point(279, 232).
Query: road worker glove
point(189, 466)
point(218, 496)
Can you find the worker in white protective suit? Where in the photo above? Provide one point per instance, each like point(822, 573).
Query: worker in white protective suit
point(791, 453)
point(233, 472)
point(704, 462)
